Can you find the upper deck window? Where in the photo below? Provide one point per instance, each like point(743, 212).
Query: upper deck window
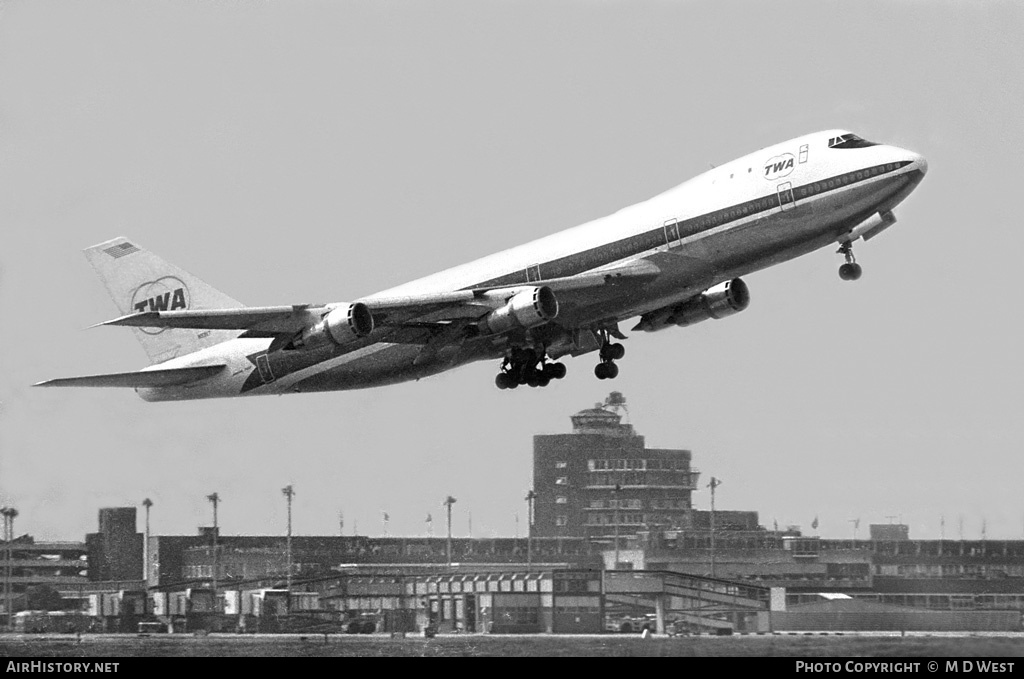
point(849, 141)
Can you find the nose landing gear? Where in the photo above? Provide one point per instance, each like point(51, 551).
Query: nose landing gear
point(850, 271)
point(527, 366)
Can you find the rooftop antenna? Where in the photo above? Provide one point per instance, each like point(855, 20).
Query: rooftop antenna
point(616, 402)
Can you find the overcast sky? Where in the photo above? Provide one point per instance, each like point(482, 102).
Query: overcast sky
point(293, 152)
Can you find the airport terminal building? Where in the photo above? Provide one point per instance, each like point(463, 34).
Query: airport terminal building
point(615, 542)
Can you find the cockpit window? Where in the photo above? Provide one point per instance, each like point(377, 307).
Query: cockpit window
point(849, 141)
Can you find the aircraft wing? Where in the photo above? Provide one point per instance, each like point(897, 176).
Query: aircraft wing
point(429, 311)
point(271, 319)
point(166, 377)
point(460, 304)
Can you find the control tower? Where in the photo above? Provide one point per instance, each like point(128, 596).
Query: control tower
point(601, 476)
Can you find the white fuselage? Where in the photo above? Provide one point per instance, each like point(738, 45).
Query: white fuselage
point(756, 211)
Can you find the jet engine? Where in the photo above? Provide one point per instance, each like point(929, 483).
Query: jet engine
point(343, 325)
point(724, 299)
point(528, 308)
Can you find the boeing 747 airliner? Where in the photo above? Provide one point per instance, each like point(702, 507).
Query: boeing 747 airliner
point(673, 260)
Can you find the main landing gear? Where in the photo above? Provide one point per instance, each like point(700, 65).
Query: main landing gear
point(610, 352)
point(850, 271)
point(527, 366)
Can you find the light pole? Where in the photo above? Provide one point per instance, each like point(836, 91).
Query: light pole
point(615, 493)
point(214, 500)
point(714, 484)
point(147, 503)
point(448, 502)
point(530, 497)
point(7, 560)
point(289, 493)
point(9, 514)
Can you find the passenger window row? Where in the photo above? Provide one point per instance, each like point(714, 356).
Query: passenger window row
point(694, 226)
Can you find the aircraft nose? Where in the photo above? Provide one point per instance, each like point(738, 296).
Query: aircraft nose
point(919, 163)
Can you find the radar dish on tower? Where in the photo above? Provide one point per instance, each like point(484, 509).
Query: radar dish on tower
point(616, 402)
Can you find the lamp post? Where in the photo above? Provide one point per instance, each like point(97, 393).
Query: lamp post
point(7, 560)
point(714, 484)
point(9, 514)
point(615, 493)
point(289, 493)
point(448, 502)
point(530, 497)
point(214, 500)
point(147, 503)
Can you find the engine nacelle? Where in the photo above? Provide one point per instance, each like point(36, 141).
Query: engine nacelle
point(528, 308)
point(724, 299)
point(343, 325)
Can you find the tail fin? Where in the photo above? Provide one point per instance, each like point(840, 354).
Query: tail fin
point(138, 280)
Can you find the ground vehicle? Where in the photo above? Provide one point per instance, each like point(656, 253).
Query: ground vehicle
point(152, 627)
point(628, 624)
point(363, 624)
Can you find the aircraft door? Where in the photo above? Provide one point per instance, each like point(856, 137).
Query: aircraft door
point(533, 273)
point(671, 233)
point(785, 196)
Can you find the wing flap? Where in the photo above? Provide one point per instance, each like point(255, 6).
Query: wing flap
point(166, 377)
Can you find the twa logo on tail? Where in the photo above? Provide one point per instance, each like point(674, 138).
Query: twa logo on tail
point(164, 294)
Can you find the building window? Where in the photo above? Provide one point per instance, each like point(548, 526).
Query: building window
point(561, 520)
point(561, 500)
point(562, 481)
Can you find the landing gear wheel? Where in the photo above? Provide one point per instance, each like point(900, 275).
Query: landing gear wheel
point(609, 353)
point(612, 352)
point(529, 366)
point(850, 271)
point(555, 371)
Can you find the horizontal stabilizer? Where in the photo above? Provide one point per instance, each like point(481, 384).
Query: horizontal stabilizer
point(167, 377)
